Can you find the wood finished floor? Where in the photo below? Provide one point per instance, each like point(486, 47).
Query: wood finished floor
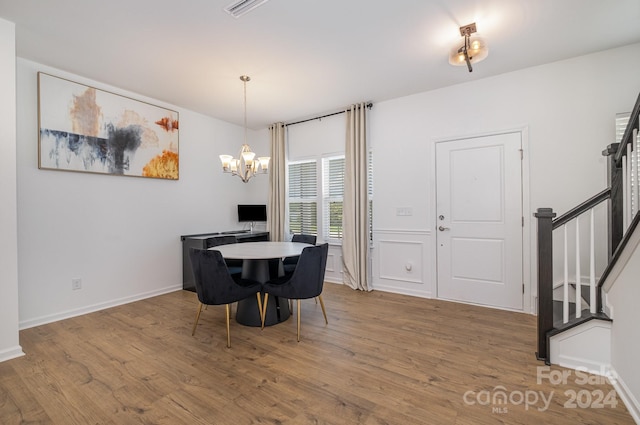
point(382, 359)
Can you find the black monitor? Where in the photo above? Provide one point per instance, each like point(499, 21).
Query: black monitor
point(252, 213)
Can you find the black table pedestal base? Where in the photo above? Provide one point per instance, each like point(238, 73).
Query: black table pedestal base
point(277, 311)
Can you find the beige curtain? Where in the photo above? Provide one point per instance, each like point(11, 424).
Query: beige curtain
point(277, 188)
point(355, 226)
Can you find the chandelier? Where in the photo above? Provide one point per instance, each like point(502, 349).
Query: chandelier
point(246, 165)
point(473, 50)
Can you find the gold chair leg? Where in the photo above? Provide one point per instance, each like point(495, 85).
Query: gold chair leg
point(298, 306)
point(193, 331)
point(263, 313)
point(260, 309)
point(228, 335)
point(323, 310)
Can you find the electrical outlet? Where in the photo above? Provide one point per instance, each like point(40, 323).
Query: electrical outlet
point(76, 284)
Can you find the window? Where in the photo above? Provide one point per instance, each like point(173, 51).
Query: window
point(622, 120)
point(303, 197)
point(332, 197)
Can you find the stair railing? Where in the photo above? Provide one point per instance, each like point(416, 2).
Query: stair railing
point(573, 215)
point(546, 225)
point(623, 177)
point(623, 170)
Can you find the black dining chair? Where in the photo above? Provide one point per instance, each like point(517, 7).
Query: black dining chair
point(306, 281)
point(235, 266)
point(216, 286)
point(289, 263)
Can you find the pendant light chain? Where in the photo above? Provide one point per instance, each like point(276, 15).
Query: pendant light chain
point(245, 79)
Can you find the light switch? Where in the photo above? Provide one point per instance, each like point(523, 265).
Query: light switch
point(404, 211)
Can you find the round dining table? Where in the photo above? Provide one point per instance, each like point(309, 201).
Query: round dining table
point(256, 257)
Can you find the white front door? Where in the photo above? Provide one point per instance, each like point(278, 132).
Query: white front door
point(479, 220)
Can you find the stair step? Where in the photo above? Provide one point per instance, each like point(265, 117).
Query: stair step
point(559, 327)
point(557, 312)
point(585, 292)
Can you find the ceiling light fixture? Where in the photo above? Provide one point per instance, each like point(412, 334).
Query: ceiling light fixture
point(472, 51)
point(245, 166)
point(241, 7)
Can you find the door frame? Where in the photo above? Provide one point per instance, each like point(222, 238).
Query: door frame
point(530, 293)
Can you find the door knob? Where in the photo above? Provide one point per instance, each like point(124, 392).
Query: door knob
point(442, 229)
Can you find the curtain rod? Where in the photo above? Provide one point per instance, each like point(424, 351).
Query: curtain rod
point(368, 105)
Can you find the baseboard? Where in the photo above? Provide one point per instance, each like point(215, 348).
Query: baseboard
point(631, 403)
point(580, 363)
point(43, 320)
point(330, 280)
point(11, 353)
point(390, 289)
point(401, 291)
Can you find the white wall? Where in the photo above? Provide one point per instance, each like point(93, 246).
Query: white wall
point(120, 235)
point(317, 137)
point(9, 341)
point(625, 344)
point(567, 110)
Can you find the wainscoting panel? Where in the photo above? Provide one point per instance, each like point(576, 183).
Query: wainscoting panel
point(402, 262)
point(333, 272)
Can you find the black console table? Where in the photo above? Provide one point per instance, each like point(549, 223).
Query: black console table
point(199, 241)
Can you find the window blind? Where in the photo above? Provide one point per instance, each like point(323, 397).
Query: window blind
point(333, 196)
point(303, 197)
point(622, 120)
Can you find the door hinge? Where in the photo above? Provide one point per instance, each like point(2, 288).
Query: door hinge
point(521, 154)
point(522, 221)
point(523, 288)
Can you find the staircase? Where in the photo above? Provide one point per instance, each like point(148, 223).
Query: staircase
point(574, 324)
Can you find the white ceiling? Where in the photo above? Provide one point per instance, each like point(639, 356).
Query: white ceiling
point(304, 57)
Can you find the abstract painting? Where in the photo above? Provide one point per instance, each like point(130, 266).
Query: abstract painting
point(82, 128)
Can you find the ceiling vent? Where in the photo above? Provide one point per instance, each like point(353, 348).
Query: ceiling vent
point(239, 8)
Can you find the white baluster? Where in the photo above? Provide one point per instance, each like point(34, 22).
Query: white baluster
point(632, 177)
point(625, 195)
point(578, 280)
point(636, 180)
point(565, 295)
point(628, 188)
point(592, 265)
